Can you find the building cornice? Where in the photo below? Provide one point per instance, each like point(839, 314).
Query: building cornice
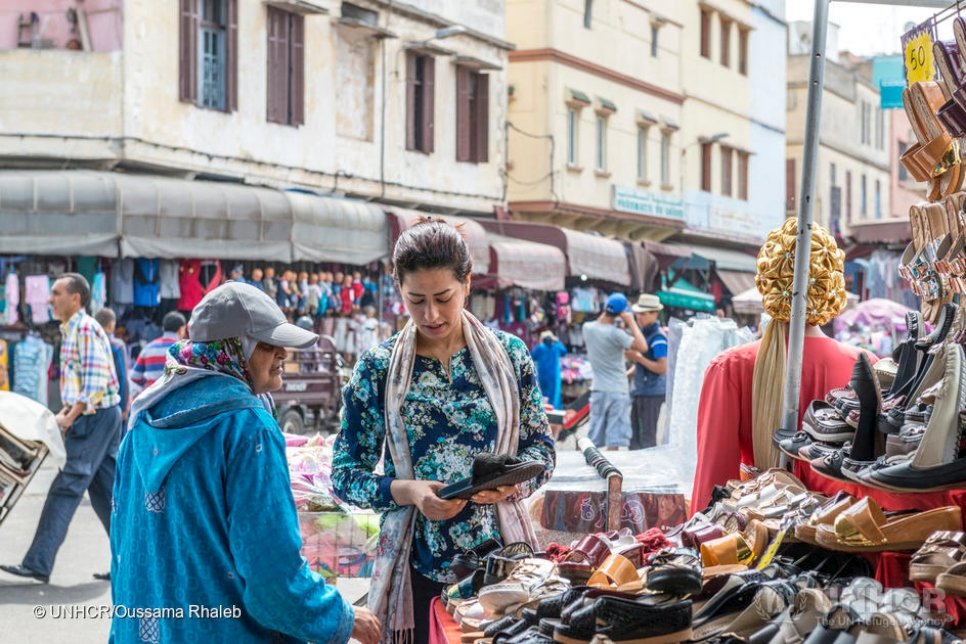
point(557, 56)
point(884, 167)
point(637, 3)
point(592, 211)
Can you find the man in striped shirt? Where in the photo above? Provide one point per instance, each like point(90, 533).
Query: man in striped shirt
point(150, 362)
point(90, 420)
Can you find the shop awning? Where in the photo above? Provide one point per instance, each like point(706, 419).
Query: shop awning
point(597, 258)
point(48, 212)
point(683, 295)
point(516, 262)
point(737, 282)
point(881, 232)
point(79, 212)
point(169, 218)
point(337, 230)
point(472, 230)
point(727, 259)
point(666, 254)
point(644, 266)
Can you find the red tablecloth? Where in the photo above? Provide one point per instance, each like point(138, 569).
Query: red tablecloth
point(442, 629)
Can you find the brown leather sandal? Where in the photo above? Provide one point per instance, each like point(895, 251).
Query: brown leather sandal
point(864, 527)
point(942, 551)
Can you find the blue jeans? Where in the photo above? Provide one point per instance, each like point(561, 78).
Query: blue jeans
point(91, 444)
point(610, 419)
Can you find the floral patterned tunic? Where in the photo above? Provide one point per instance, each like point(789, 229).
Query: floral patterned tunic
point(448, 421)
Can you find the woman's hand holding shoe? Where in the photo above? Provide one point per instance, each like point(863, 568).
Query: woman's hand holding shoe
point(422, 494)
point(501, 493)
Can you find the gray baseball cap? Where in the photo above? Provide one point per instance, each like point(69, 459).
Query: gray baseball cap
point(236, 309)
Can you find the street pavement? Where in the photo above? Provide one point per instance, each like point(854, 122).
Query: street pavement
point(85, 552)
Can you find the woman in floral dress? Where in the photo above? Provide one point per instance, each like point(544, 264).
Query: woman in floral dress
point(435, 395)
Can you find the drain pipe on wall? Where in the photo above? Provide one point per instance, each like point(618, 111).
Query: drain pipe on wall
point(382, 116)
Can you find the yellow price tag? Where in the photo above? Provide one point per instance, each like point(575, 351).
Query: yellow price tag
point(918, 60)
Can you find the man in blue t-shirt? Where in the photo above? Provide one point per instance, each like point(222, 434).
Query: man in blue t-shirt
point(650, 369)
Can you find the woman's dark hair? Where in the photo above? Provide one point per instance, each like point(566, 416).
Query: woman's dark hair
point(430, 244)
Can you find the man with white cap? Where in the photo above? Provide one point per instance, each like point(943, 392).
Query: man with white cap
point(650, 367)
point(204, 518)
point(610, 402)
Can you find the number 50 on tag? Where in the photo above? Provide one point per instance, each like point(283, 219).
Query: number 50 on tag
point(917, 53)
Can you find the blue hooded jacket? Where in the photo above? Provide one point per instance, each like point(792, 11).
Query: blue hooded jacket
point(204, 533)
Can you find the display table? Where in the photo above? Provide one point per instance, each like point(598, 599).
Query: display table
point(892, 568)
point(443, 629)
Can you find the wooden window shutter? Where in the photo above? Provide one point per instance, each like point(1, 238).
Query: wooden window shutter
point(231, 59)
point(429, 104)
point(790, 184)
point(482, 116)
point(188, 52)
point(706, 167)
point(463, 124)
point(297, 94)
point(411, 115)
point(278, 66)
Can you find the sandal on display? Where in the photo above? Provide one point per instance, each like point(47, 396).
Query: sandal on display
point(942, 551)
point(675, 572)
point(736, 548)
point(936, 463)
point(864, 527)
point(621, 620)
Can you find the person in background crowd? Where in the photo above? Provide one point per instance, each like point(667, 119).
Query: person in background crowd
point(257, 277)
point(610, 403)
point(151, 361)
point(437, 394)
point(313, 296)
point(91, 422)
point(546, 355)
point(204, 512)
point(108, 321)
point(237, 273)
point(270, 284)
point(650, 369)
point(348, 296)
point(326, 297)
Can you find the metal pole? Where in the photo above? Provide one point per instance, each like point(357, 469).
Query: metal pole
point(796, 326)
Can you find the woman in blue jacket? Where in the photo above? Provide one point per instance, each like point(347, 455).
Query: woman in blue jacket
point(204, 533)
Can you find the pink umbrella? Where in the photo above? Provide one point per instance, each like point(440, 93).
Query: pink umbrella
point(890, 314)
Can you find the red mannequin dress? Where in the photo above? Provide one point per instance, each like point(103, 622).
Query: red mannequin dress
point(724, 432)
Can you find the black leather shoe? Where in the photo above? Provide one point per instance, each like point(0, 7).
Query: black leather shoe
point(102, 576)
point(20, 571)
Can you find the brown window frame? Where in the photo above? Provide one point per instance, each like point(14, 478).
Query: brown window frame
point(420, 102)
point(189, 25)
point(727, 170)
point(472, 115)
point(285, 93)
point(743, 161)
point(790, 192)
point(706, 33)
point(706, 150)
point(726, 41)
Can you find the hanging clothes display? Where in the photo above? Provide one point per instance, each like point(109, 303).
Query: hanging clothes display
point(701, 339)
point(37, 297)
point(12, 292)
point(98, 292)
point(122, 283)
point(31, 361)
point(146, 283)
point(87, 266)
point(4, 367)
point(195, 280)
point(170, 290)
